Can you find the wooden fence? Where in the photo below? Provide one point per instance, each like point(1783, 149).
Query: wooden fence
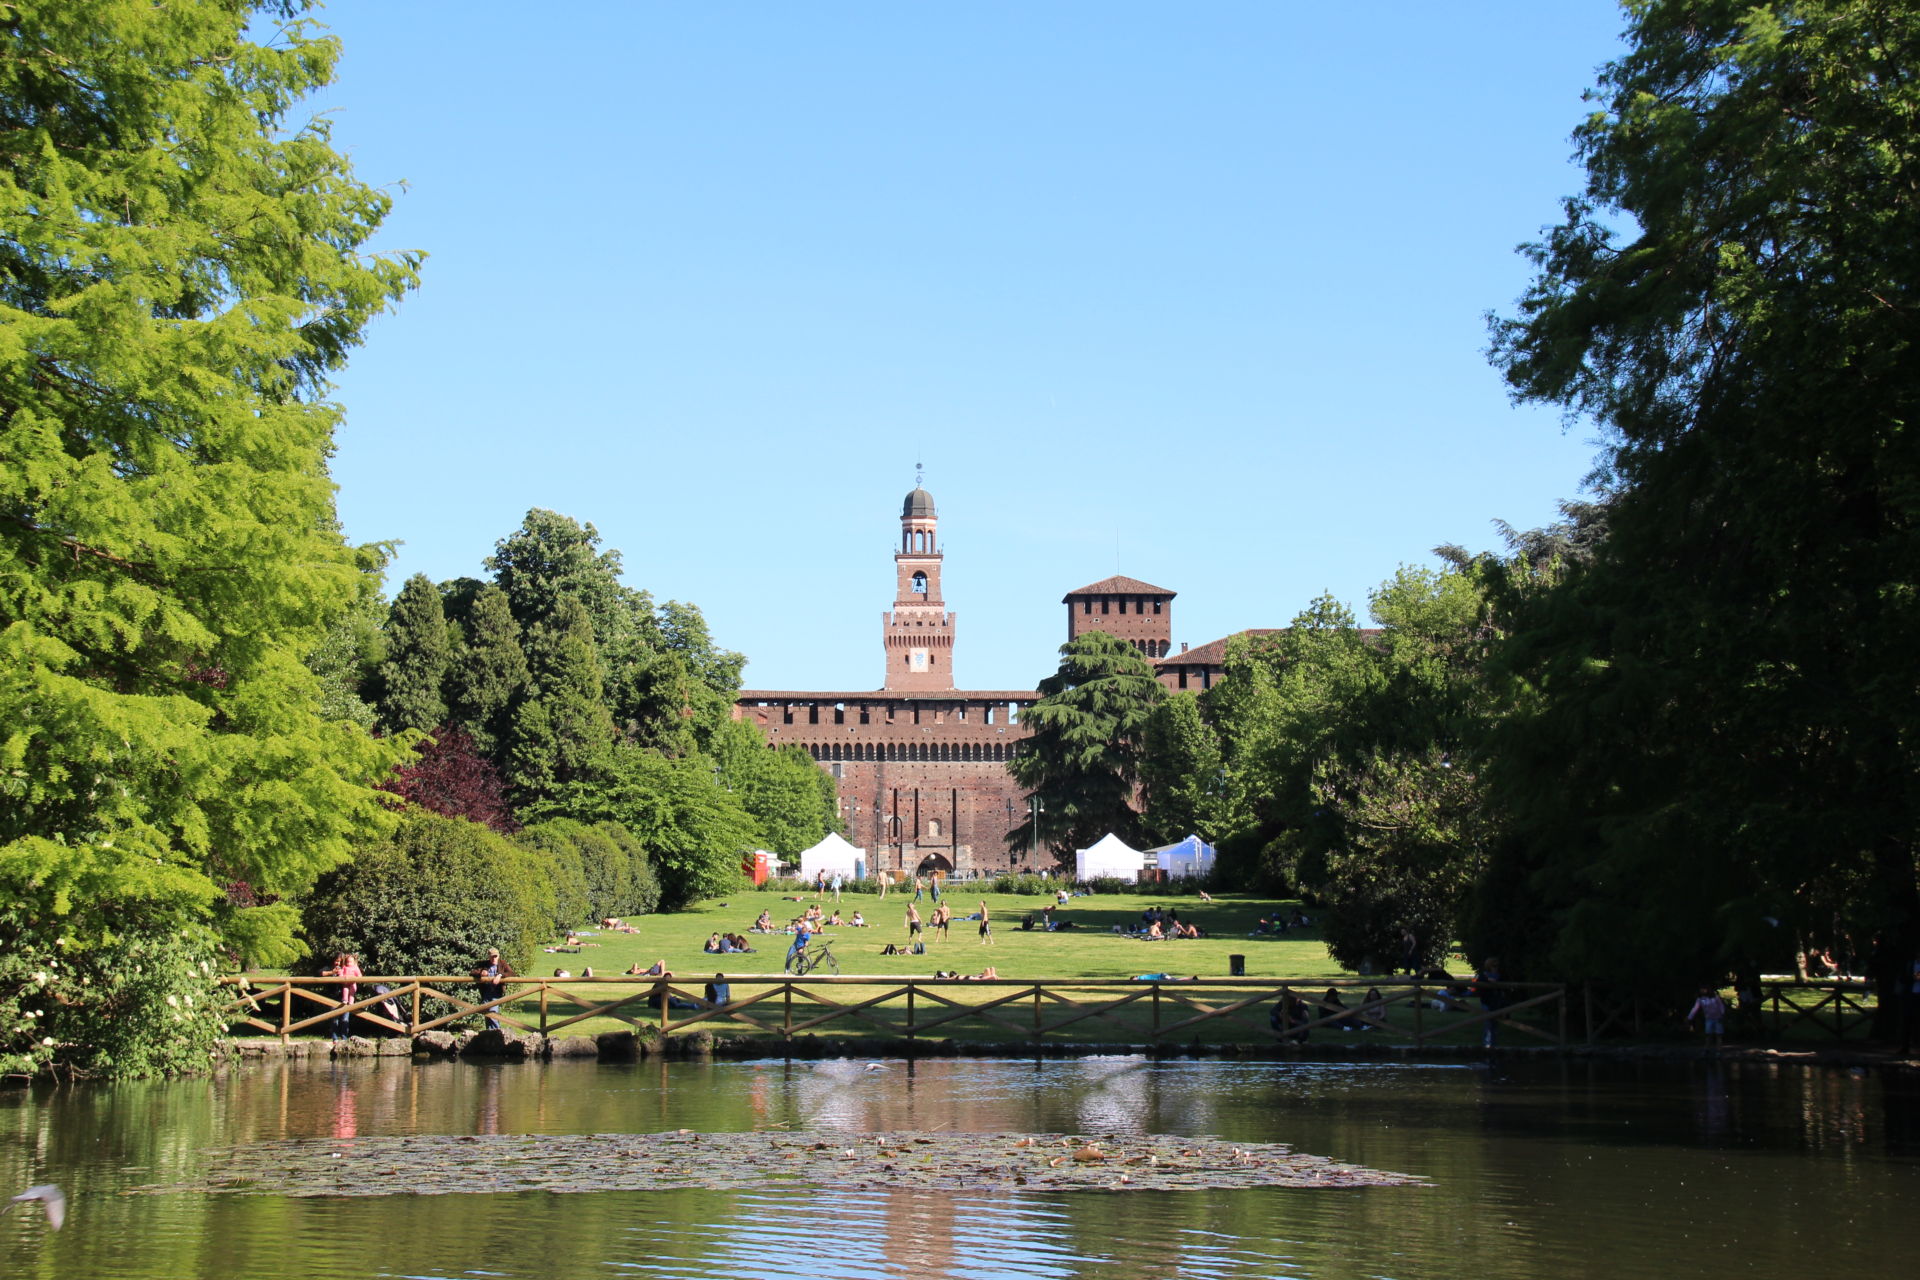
point(1027, 1011)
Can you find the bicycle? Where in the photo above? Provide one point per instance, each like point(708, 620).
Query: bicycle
point(816, 955)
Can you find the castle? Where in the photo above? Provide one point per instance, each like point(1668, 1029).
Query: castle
point(921, 767)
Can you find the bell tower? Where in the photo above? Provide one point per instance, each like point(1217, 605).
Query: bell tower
point(918, 633)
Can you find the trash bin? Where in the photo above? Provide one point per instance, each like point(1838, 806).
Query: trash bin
point(1236, 966)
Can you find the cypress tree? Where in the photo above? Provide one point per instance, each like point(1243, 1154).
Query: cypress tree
point(417, 658)
point(491, 674)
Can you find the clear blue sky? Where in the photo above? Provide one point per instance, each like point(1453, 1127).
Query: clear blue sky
point(1193, 293)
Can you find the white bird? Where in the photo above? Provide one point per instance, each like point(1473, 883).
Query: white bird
point(876, 1066)
point(51, 1196)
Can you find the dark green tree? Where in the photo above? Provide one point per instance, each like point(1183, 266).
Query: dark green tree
point(1725, 710)
point(417, 659)
point(180, 273)
point(563, 728)
point(491, 674)
point(1082, 760)
point(1182, 772)
point(431, 899)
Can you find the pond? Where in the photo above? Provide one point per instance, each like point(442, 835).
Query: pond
point(1527, 1167)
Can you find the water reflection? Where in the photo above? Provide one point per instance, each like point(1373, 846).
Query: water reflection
point(1571, 1168)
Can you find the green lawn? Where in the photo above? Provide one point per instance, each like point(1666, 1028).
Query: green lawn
point(1088, 950)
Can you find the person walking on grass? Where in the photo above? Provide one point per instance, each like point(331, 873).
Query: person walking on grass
point(986, 925)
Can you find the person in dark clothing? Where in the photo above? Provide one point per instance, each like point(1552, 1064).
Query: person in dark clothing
point(491, 978)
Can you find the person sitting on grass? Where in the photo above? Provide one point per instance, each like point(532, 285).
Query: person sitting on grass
point(714, 945)
point(835, 919)
point(1153, 933)
point(859, 921)
point(764, 924)
point(736, 943)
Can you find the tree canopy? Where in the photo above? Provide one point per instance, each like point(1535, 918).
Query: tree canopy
point(180, 271)
point(1719, 718)
point(1082, 760)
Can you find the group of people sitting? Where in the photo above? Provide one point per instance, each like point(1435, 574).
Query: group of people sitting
point(726, 944)
point(1157, 924)
point(813, 920)
point(1274, 925)
point(1293, 1014)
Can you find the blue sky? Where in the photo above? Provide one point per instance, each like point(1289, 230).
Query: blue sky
point(1192, 293)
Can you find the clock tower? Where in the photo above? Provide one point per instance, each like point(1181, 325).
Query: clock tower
point(918, 633)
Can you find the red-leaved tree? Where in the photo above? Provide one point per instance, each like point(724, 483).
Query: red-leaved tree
point(450, 778)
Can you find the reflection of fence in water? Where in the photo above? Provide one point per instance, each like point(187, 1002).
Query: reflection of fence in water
point(1012, 1009)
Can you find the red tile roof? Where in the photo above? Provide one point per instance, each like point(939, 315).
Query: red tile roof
point(1214, 652)
point(1119, 586)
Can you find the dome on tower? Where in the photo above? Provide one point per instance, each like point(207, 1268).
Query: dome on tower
point(919, 505)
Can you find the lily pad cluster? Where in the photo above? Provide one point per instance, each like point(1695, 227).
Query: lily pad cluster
point(435, 1164)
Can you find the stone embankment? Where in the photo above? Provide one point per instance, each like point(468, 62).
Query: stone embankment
point(629, 1046)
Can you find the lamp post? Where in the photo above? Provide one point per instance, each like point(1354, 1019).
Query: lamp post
point(1033, 847)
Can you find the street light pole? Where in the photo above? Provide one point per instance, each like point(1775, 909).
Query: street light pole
point(1033, 847)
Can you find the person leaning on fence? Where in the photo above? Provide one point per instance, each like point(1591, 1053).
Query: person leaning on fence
point(1711, 1009)
point(491, 978)
point(344, 966)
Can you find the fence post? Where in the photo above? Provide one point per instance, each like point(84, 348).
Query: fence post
point(543, 1008)
point(1036, 1011)
point(787, 993)
point(413, 1028)
point(1156, 1011)
point(910, 991)
point(286, 1008)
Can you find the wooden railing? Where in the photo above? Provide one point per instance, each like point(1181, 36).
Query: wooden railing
point(1009, 1009)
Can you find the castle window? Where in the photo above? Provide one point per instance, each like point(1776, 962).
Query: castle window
point(1156, 606)
point(1183, 677)
point(1104, 602)
point(840, 713)
point(920, 584)
point(933, 827)
point(864, 719)
point(1086, 606)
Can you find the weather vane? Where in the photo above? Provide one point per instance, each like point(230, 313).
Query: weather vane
point(919, 475)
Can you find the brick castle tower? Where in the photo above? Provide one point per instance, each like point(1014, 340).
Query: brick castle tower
point(918, 633)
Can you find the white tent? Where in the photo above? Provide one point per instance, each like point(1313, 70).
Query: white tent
point(832, 855)
point(1190, 857)
point(1110, 856)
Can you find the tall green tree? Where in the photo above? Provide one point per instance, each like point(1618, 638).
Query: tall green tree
point(491, 674)
point(695, 831)
point(418, 656)
point(1082, 760)
point(564, 728)
point(1726, 698)
point(1182, 771)
point(180, 271)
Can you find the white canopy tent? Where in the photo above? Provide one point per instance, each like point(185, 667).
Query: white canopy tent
point(834, 856)
point(1109, 856)
point(1190, 857)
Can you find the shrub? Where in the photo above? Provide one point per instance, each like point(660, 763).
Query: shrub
point(431, 899)
point(137, 1001)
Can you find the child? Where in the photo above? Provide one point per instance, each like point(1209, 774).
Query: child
point(1712, 1012)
